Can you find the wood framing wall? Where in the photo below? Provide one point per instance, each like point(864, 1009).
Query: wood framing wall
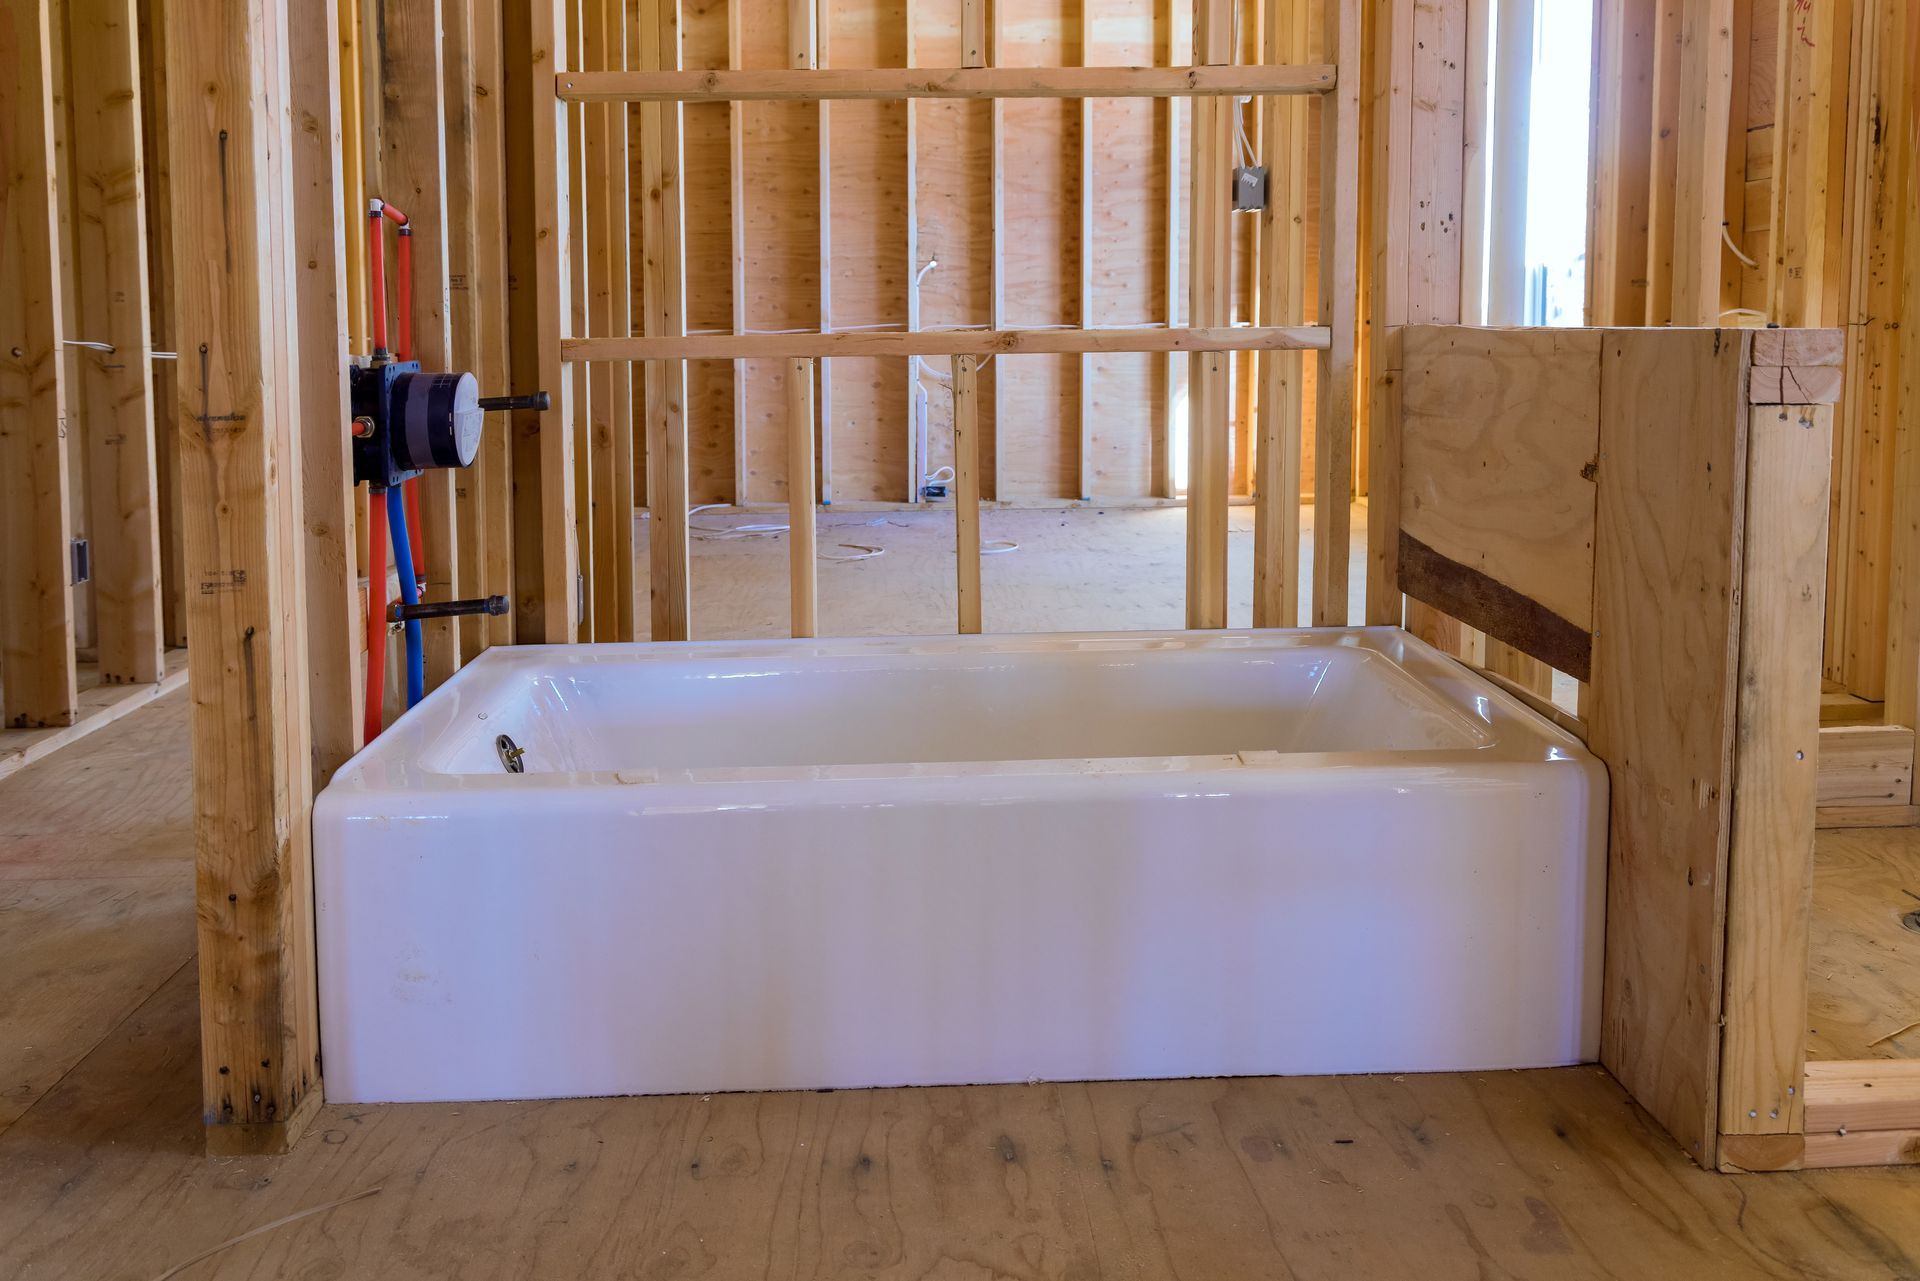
point(1859, 1112)
point(704, 230)
point(84, 635)
point(1578, 494)
point(1825, 162)
point(1042, 211)
point(825, 215)
point(1421, 68)
point(1443, 172)
point(174, 395)
point(641, 255)
point(1065, 264)
point(231, 103)
point(114, 369)
point(1815, 184)
point(37, 679)
point(1645, 509)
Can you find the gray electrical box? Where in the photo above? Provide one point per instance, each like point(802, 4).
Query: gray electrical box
point(1249, 188)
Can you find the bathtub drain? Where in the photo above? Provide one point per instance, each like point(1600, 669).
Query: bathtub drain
point(511, 754)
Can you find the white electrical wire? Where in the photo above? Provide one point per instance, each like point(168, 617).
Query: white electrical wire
point(920, 369)
point(723, 532)
point(109, 348)
point(862, 551)
point(1727, 236)
point(735, 533)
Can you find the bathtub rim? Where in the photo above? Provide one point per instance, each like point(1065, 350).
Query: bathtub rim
point(1513, 733)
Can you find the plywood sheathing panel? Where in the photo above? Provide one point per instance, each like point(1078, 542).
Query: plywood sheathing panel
point(1499, 457)
point(1666, 593)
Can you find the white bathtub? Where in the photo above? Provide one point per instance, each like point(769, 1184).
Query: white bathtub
point(806, 864)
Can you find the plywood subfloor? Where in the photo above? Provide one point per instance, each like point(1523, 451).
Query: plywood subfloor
point(100, 704)
point(1863, 1000)
point(1513, 1175)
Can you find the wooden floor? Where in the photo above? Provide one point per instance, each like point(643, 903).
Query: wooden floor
point(1863, 998)
point(1496, 1175)
point(100, 703)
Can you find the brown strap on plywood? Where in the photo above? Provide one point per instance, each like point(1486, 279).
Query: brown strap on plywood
point(1494, 608)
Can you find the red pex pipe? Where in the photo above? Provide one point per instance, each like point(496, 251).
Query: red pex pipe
point(403, 290)
point(378, 211)
point(377, 276)
point(376, 609)
point(403, 262)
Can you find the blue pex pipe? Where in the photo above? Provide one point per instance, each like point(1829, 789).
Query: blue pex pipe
point(409, 595)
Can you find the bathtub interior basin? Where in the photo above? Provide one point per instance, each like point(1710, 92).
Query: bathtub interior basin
point(836, 863)
point(587, 709)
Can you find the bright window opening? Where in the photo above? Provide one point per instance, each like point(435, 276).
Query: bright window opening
point(1557, 163)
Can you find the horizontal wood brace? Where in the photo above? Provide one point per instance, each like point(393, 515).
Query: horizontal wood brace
point(721, 85)
point(1495, 608)
point(947, 342)
point(1865, 765)
point(1832, 816)
point(1871, 1094)
point(1822, 1150)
